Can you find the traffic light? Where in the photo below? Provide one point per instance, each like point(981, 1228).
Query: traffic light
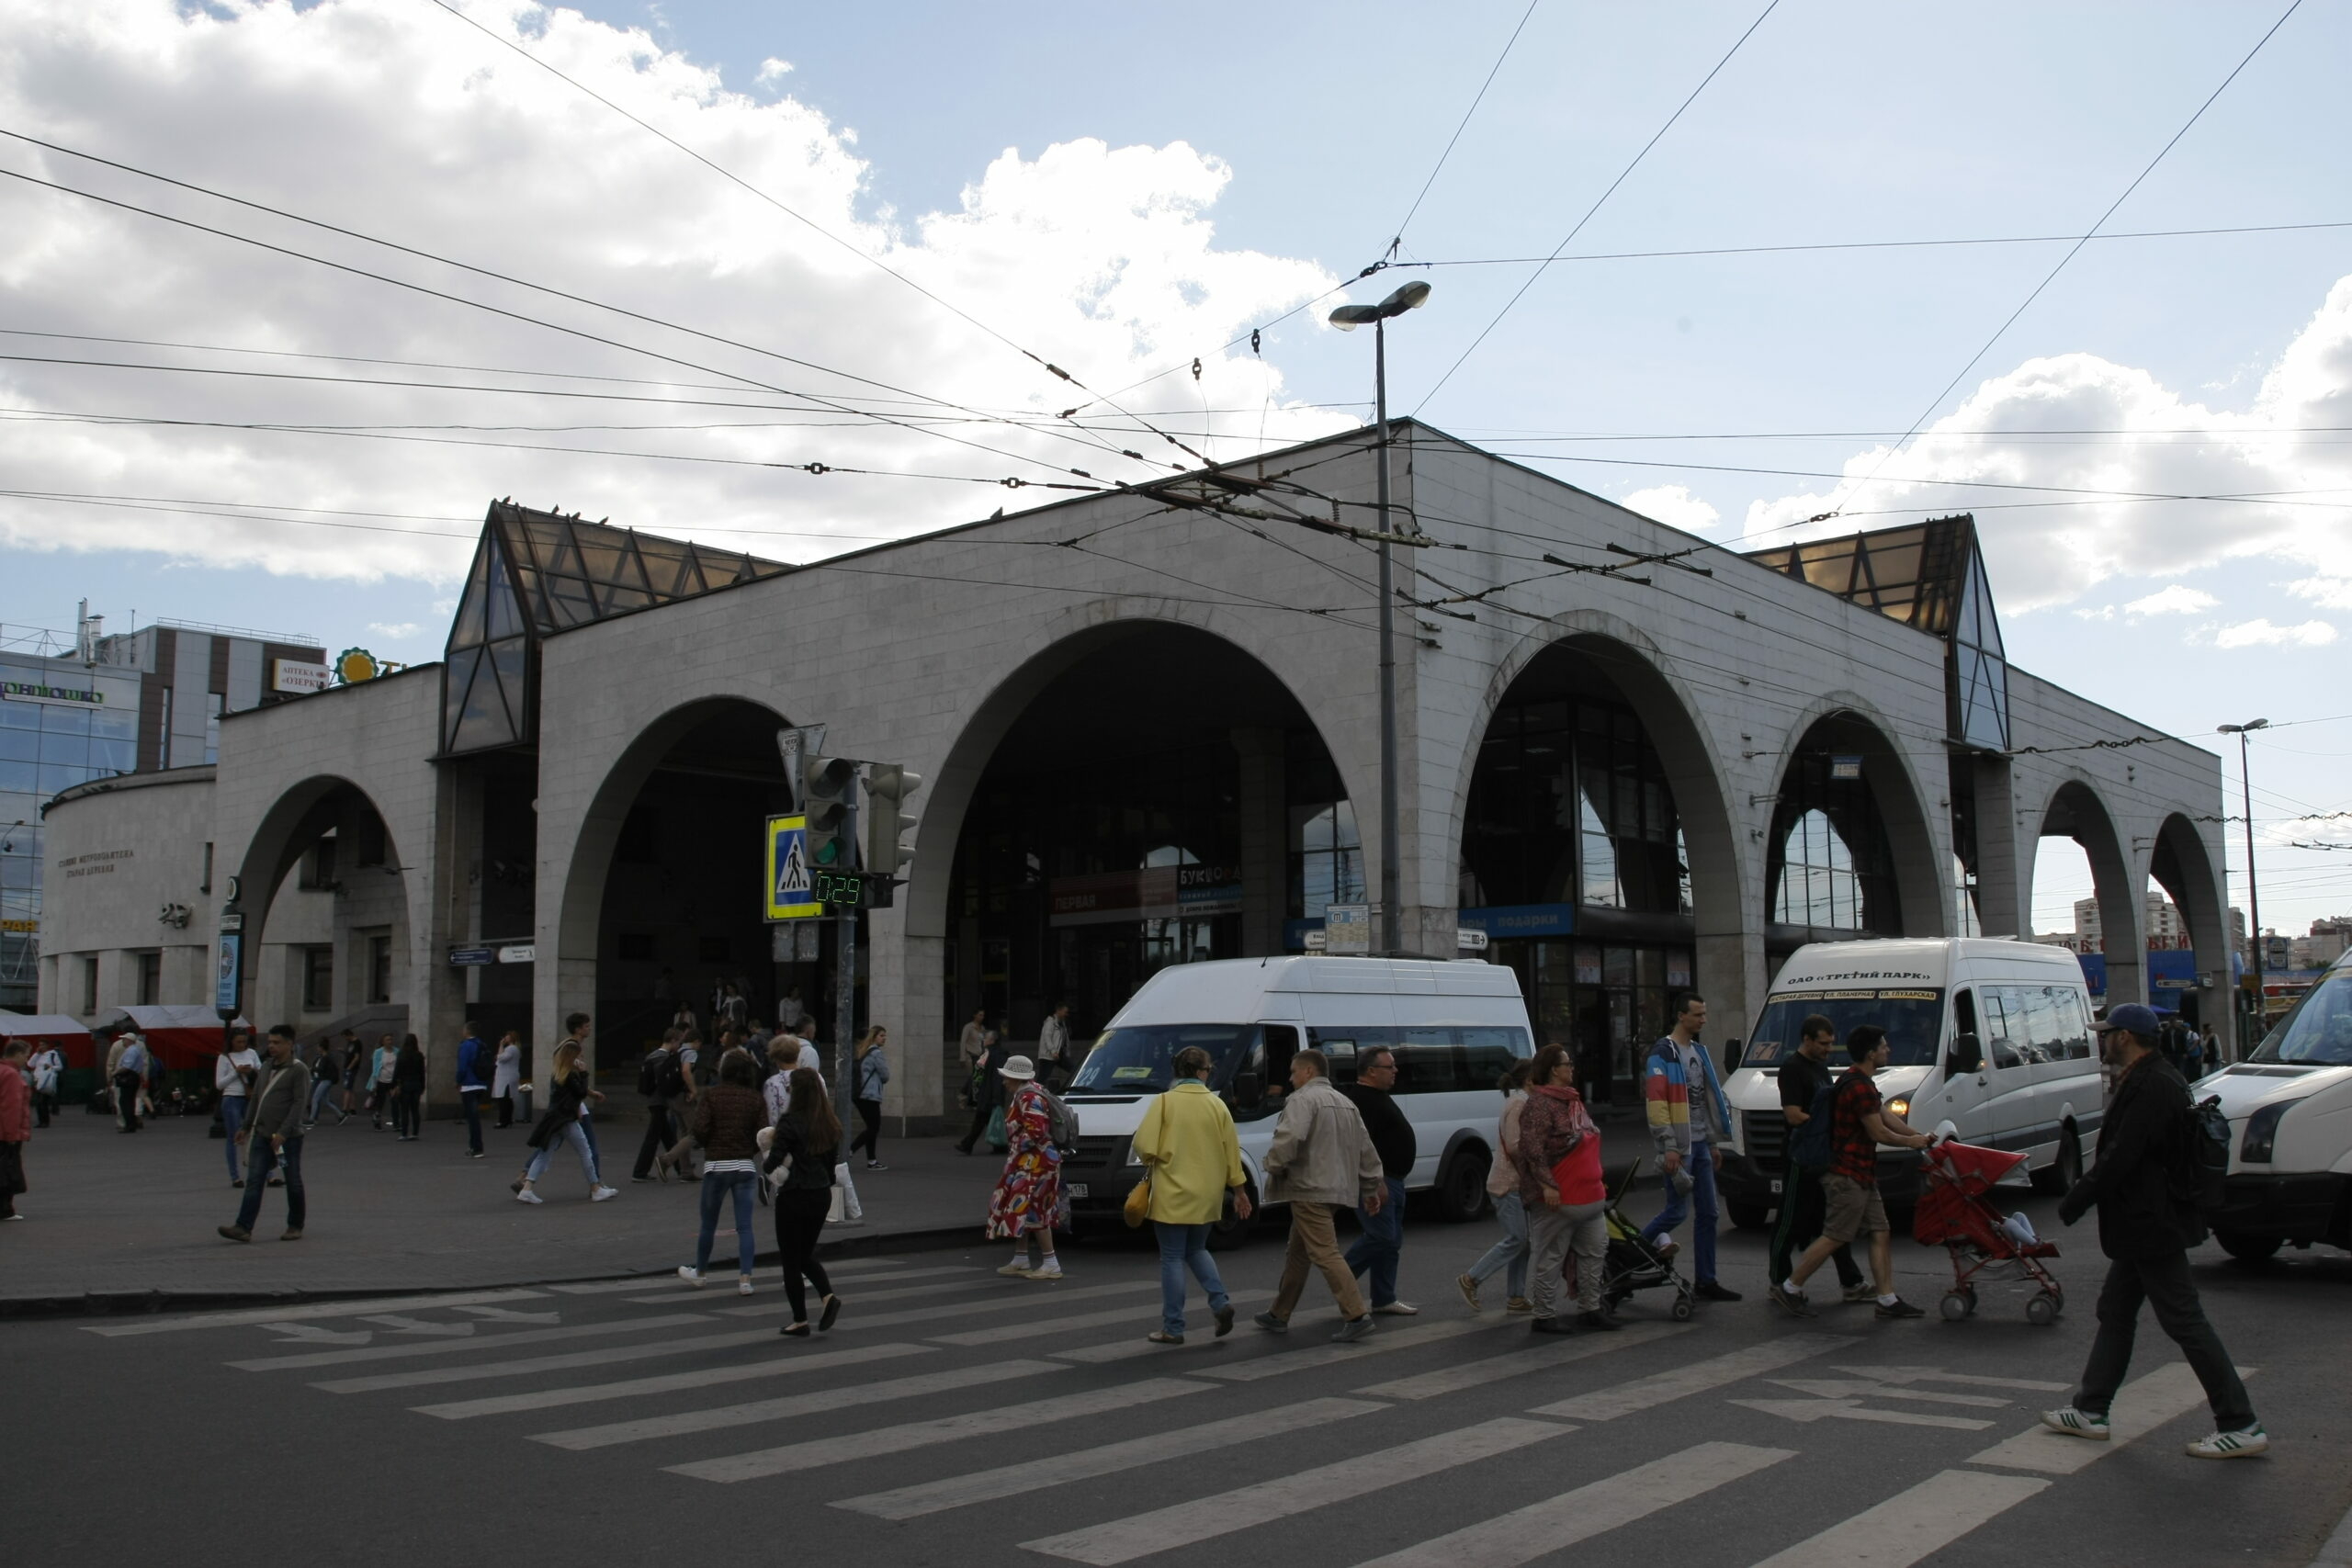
point(887, 829)
point(829, 794)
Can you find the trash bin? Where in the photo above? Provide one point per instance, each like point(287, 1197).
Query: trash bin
point(523, 1101)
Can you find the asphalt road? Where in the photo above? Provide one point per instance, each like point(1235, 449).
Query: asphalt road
point(957, 1416)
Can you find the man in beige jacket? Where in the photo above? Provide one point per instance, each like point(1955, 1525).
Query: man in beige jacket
point(1321, 1159)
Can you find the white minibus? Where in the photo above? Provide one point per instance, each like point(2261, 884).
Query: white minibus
point(1990, 1034)
point(1455, 1028)
point(2290, 1106)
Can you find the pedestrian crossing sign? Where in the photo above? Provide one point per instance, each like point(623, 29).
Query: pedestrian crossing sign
point(790, 897)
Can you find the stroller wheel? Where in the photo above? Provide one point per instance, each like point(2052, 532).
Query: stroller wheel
point(1958, 1305)
point(1682, 1309)
point(2042, 1310)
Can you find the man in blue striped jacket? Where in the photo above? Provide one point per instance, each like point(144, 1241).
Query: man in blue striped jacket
point(1684, 1101)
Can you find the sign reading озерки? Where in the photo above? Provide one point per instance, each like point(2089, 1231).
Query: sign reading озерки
point(42, 692)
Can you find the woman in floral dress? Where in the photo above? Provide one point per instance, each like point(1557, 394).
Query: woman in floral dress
point(1028, 1201)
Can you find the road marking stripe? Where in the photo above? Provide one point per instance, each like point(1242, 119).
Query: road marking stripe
point(1273, 1362)
point(893, 1279)
point(1544, 1353)
point(706, 1377)
point(757, 1411)
point(1698, 1377)
point(1032, 1299)
point(1526, 1534)
point(1205, 1518)
point(306, 1310)
point(1913, 1524)
point(1028, 1475)
point(2140, 1408)
point(1134, 1315)
point(459, 1346)
point(794, 1458)
point(1937, 1374)
point(1809, 1410)
point(565, 1362)
point(644, 1281)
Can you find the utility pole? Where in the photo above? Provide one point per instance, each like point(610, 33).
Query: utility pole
point(845, 997)
point(2253, 886)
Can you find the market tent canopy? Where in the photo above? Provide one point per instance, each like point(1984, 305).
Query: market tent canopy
point(56, 1029)
point(182, 1036)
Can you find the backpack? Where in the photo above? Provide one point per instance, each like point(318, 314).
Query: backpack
point(2206, 1137)
point(650, 1073)
point(1061, 1123)
point(1809, 1145)
point(673, 1077)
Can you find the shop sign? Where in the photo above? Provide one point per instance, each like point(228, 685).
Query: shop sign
point(1149, 893)
point(297, 675)
point(1346, 928)
point(60, 697)
point(20, 928)
point(1504, 922)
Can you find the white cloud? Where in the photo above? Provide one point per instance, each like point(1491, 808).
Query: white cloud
point(396, 119)
point(2047, 544)
point(2177, 600)
point(2328, 593)
point(773, 71)
point(1673, 505)
point(395, 628)
point(2104, 612)
point(2260, 633)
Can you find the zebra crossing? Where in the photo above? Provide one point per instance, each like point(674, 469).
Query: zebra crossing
point(917, 1410)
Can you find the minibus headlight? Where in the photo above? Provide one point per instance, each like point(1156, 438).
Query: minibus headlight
point(1133, 1157)
point(2262, 1131)
point(1900, 1105)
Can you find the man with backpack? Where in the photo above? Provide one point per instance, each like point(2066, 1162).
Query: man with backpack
point(1806, 1089)
point(661, 1080)
point(2156, 1163)
point(1860, 1120)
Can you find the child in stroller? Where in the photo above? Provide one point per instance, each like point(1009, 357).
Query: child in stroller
point(1956, 1211)
point(1632, 1264)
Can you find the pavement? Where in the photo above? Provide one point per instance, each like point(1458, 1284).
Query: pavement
point(954, 1415)
point(126, 1221)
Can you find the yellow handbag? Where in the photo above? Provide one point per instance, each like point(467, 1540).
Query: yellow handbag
point(1138, 1207)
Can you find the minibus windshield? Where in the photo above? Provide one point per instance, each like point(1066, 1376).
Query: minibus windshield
point(1913, 1018)
point(2319, 1031)
point(1137, 1058)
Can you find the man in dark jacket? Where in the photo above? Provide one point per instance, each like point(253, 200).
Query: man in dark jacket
point(1381, 1246)
point(2147, 1222)
point(273, 1136)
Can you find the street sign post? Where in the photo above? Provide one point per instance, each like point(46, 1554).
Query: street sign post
point(791, 893)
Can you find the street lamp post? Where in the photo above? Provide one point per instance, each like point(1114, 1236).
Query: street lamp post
point(2253, 886)
point(1348, 318)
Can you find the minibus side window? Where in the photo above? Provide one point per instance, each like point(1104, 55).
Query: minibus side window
point(1963, 1012)
point(2073, 1027)
point(1282, 1045)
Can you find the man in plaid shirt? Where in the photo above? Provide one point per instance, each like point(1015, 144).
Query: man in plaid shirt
point(1858, 1122)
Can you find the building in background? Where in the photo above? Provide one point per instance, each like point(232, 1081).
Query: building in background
point(2165, 928)
point(2325, 944)
point(82, 706)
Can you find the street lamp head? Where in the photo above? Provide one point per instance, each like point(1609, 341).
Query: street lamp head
point(1410, 296)
point(2242, 728)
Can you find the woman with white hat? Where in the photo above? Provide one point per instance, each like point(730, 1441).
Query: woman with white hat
point(1028, 1203)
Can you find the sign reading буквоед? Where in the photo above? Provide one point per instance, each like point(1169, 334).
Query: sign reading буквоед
point(42, 692)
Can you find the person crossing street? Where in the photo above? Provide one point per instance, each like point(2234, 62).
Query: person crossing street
point(1805, 1084)
point(1187, 1144)
point(1380, 1248)
point(1860, 1120)
point(1320, 1160)
point(1688, 1118)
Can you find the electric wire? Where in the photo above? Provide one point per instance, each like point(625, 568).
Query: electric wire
point(1476, 98)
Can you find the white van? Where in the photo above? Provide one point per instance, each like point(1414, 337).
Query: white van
point(1993, 1035)
point(1455, 1027)
point(2290, 1106)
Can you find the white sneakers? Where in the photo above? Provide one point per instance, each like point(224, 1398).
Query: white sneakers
point(2243, 1443)
point(691, 1275)
point(2074, 1422)
point(743, 1285)
point(1052, 1270)
point(1016, 1269)
point(525, 1195)
point(601, 1194)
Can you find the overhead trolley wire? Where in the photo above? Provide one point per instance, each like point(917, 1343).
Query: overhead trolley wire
point(1623, 174)
point(1479, 98)
point(2076, 249)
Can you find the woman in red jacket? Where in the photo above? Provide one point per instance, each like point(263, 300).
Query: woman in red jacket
point(1560, 1185)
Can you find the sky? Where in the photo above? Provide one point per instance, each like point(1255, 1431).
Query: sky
point(285, 443)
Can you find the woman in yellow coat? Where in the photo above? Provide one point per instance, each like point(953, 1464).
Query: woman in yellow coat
point(1187, 1142)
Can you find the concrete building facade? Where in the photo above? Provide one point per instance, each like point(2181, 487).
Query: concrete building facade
point(1148, 720)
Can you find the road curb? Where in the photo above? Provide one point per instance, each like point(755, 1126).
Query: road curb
point(2337, 1551)
point(122, 1303)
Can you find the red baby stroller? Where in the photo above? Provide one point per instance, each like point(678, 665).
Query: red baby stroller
point(1955, 1213)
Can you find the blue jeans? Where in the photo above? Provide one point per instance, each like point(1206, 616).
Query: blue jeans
point(1701, 1166)
point(232, 1116)
point(1182, 1247)
point(716, 1185)
point(1383, 1241)
point(257, 1168)
point(472, 1098)
point(319, 1092)
point(1512, 1249)
point(572, 1134)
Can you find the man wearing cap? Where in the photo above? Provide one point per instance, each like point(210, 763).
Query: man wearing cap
point(2144, 1190)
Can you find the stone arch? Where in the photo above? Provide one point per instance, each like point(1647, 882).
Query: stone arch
point(1844, 723)
point(2180, 863)
point(2076, 811)
point(298, 818)
point(588, 860)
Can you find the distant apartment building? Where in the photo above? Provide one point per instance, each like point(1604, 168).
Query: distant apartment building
point(84, 705)
point(2166, 929)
